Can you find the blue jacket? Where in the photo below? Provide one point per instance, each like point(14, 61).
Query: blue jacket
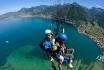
point(47, 44)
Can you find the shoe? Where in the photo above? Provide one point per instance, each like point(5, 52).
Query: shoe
point(70, 65)
point(71, 61)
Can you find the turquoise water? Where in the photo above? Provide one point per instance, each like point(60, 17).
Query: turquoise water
point(26, 33)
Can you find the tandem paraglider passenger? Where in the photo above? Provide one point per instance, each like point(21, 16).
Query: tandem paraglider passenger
point(64, 54)
point(47, 44)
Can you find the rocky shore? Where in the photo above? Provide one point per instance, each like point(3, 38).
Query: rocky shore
point(98, 40)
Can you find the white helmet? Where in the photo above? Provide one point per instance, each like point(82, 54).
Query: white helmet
point(48, 31)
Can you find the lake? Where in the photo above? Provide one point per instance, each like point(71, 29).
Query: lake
point(20, 38)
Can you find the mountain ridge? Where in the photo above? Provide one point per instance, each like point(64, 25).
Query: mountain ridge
point(72, 11)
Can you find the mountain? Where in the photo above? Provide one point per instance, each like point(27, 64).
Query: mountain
point(98, 15)
point(73, 12)
point(25, 12)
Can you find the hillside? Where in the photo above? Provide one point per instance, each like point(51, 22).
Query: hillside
point(73, 12)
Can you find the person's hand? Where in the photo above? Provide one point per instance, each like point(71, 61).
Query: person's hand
point(52, 60)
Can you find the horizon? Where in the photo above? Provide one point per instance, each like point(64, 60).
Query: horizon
point(16, 5)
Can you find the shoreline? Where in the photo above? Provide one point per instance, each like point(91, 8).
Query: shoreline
point(26, 16)
point(99, 40)
point(100, 43)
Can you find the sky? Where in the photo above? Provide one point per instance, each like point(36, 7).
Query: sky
point(15, 5)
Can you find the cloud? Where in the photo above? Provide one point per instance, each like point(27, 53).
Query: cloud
point(99, 6)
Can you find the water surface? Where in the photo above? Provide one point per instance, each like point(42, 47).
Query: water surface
point(24, 35)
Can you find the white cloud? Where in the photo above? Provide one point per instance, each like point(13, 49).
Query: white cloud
point(99, 6)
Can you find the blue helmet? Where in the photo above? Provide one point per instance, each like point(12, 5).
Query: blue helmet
point(62, 37)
